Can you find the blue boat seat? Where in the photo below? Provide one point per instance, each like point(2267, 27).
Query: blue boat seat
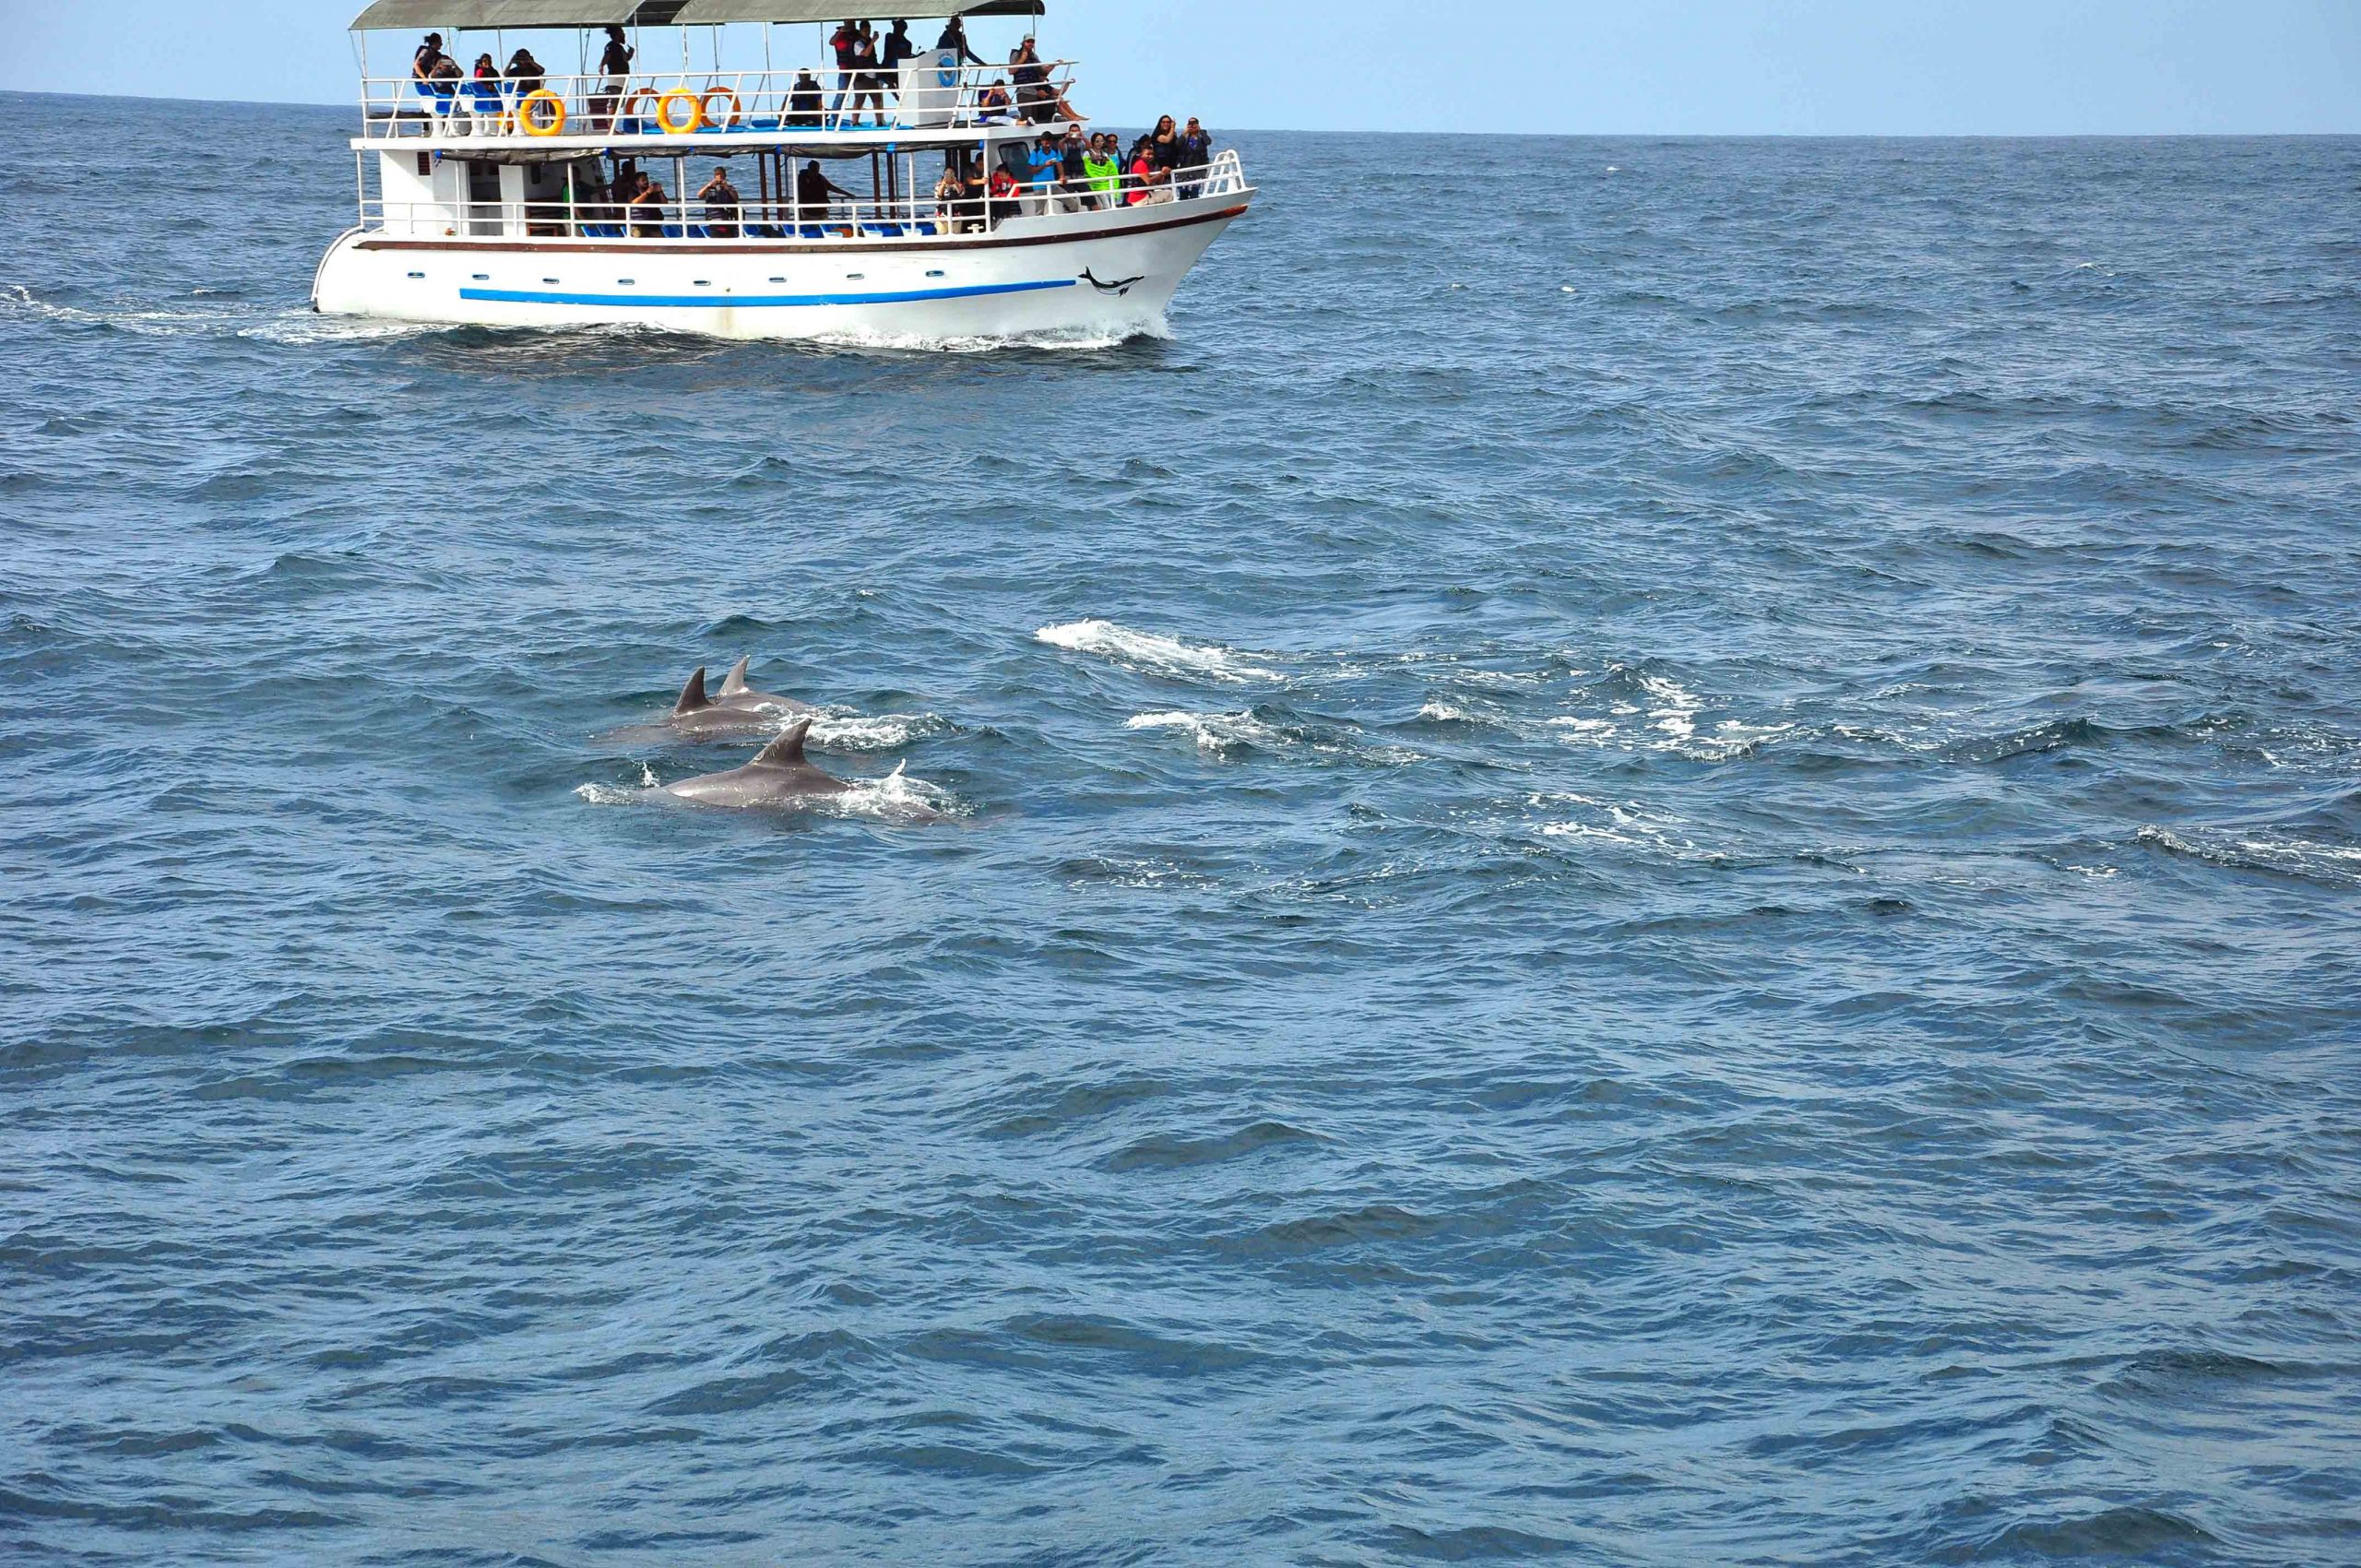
point(672, 231)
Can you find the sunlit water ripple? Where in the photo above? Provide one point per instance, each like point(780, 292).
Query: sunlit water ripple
point(1658, 868)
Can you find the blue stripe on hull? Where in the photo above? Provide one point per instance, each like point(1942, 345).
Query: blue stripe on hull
point(740, 301)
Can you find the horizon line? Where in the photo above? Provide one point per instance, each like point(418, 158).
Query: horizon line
point(1312, 130)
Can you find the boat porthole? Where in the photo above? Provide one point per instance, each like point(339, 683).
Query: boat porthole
point(779, 280)
point(855, 276)
point(624, 282)
point(934, 274)
point(549, 279)
point(705, 282)
point(418, 273)
point(483, 276)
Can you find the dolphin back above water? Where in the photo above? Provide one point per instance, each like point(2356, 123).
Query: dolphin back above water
point(737, 710)
point(779, 776)
point(736, 693)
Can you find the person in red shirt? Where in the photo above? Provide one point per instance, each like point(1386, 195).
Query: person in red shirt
point(846, 41)
point(1003, 188)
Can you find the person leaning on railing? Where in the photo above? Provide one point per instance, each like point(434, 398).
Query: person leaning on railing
point(813, 190)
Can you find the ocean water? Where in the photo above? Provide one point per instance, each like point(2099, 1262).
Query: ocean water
point(1654, 857)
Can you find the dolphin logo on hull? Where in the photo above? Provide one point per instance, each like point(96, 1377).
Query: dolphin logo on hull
point(1118, 289)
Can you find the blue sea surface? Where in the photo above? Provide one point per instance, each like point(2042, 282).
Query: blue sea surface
point(1653, 858)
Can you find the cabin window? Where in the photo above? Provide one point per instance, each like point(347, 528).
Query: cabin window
point(425, 164)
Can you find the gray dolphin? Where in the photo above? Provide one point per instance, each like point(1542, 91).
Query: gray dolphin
point(736, 693)
point(779, 776)
point(698, 714)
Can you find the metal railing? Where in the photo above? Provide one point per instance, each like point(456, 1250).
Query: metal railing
point(933, 214)
point(924, 94)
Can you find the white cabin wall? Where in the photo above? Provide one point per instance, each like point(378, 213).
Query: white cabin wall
point(416, 203)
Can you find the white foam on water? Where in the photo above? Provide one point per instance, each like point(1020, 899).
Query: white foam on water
point(1063, 339)
point(846, 731)
point(897, 797)
point(1438, 712)
point(1152, 651)
point(1216, 734)
point(1677, 707)
point(1626, 823)
point(301, 328)
point(2252, 850)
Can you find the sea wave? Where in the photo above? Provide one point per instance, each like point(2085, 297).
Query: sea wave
point(1154, 652)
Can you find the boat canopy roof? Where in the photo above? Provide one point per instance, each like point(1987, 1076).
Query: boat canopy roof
point(482, 14)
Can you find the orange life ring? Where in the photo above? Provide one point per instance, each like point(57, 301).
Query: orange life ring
point(541, 113)
point(664, 106)
point(720, 121)
point(630, 110)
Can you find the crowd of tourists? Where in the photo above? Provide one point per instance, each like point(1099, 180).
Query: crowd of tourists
point(1075, 173)
point(869, 70)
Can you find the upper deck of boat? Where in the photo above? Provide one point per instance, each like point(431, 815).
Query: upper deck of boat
point(687, 111)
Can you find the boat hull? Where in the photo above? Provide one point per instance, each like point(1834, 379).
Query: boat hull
point(1076, 277)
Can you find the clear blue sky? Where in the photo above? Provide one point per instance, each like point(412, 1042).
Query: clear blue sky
point(1674, 66)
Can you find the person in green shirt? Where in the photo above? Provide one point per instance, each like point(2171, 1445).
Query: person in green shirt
point(1102, 170)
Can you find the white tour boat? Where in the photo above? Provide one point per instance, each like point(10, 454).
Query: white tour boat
point(531, 198)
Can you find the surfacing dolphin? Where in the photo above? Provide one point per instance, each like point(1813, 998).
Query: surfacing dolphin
point(780, 776)
point(697, 713)
point(736, 693)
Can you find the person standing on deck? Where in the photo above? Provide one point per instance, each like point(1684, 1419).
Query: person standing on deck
point(615, 66)
point(955, 36)
point(430, 55)
point(1104, 169)
point(868, 86)
point(846, 41)
point(894, 53)
point(1196, 151)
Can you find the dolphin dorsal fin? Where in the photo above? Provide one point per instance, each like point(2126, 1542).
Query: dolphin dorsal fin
point(735, 682)
point(787, 750)
point(693, 697)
